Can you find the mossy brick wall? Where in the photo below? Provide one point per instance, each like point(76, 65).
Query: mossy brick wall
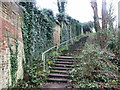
point(11, 44)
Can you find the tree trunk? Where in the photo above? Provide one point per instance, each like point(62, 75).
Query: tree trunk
point(61, 5)
point(104, 14)
point(96, 18)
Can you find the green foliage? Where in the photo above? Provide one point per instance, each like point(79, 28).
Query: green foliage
point(34, 78)
point(13, 57)
point(37, 31)
point(94, 67)
point(52, 55)
point(13, 61)
point(113, 43)
point(50, 58)
point(88, 85)
point(70, 27)
point(63, 48)
point(87, 26)
point(109, 40)
point(102, 78)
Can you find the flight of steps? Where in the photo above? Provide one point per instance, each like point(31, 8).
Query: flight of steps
point(59, 72)
point(59, 76)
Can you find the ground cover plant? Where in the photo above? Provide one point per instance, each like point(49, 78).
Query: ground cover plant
point(98, 66)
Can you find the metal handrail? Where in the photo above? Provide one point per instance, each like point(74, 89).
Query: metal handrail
point(43, 54)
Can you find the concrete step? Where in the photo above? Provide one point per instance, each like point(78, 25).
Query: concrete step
point(65, 57)
point(57, 80)
point(59, 71)
point(62, 68)
point(66, 60)
point(73, 50)
point(64, 65)
point(58, 75)
point(61, 62)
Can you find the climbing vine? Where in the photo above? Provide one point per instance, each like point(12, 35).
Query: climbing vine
point(70, 26)
point(38, 30)
point(14, 62)
point(13, 59)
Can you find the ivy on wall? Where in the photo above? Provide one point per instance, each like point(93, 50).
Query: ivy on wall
point(38, 30)
point(70, 26)
point(14, 62)
point(13, 58)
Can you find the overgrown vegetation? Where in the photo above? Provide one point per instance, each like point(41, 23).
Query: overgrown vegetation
point(34, 77)
point(37, 32)
point(14, 62)
point(98, 63)
point(70, 27)
point(98, 66)
point(13, 57)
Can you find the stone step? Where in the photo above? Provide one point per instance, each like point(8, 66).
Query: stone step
point(57, 80)
point(58, 75)
point(61, 68)
point(61, 62)
point(64, 65)
point(66, 60)
point(55, 86)
point(65, 57)
point(73, 50)
point(59, 71)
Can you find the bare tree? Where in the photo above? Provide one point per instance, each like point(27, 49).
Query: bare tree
point(104, 15)
point(110, 17)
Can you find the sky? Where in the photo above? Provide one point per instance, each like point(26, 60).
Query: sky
point(78, 9)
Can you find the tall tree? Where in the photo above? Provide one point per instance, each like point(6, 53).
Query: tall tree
point(61, 5)
point(110, 16)
point(118, 15)
point(104, 15)
point(96, 18)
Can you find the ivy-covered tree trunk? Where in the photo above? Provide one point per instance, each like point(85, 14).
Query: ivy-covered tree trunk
point(96, 18)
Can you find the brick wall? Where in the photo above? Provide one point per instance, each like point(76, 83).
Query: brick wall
point(10, 28)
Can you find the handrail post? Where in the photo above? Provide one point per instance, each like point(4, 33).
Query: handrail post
point(43, 59)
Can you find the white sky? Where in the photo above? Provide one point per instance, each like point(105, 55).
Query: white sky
point(78, 9)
